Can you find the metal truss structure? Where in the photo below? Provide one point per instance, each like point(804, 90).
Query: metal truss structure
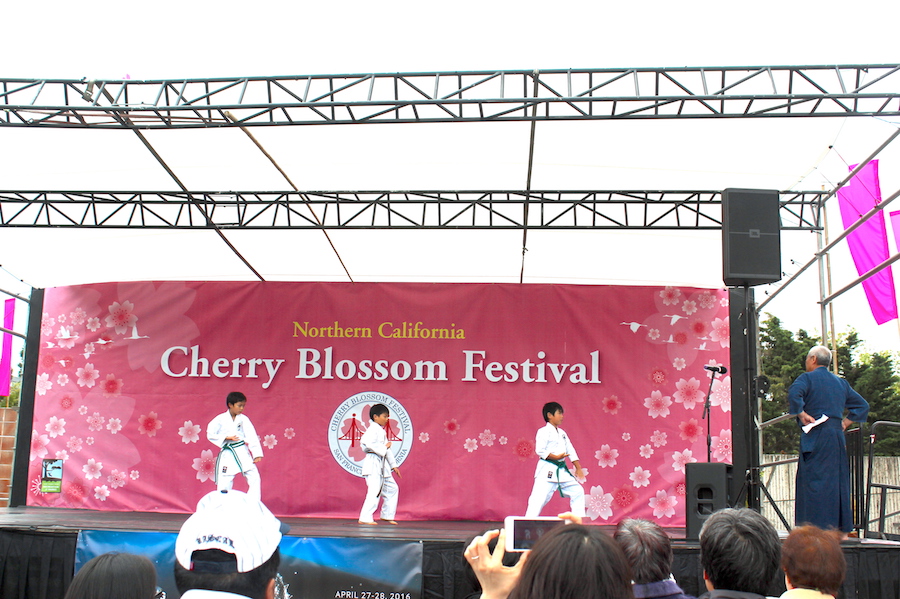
point(574, 94)
point(388, 210)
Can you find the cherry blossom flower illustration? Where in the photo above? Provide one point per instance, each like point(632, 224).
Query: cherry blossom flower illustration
point(624, 497)
point(82, 410)
point(503, 440)
point(689, 307)
point(524, 448)
point(645, 451)
point(190, 432)
point(720, 332)
point(93, 324)
point(62, 380)
point(690, 430)
point(112, 386)
point(74, 491)
point(721, 446)
point(56, 426)
point(121, 317)
point(424, 437)
point(707, 300)
point(626, 436)
point(74, 444)
point(653, 334)
point(134, 475)
point(47, 324)
point(96, 421)
point(721, 394)
point(87, 376)
point(659, 438)
point(117, 479)
point(682, 458)
point(43, 384)
point(681, 489)
point(114, 425)
point(289, 433)
point(205, 466)
point(101, 492)
point(487, 438)
point(89, 440)
point(679, 363)
point(61, 318)
point(688, 393)
point(470, 445)
point(36, 487)
point(657, 404)
point(62, 454)
point(658, 377)
point(92, 469)
point(65, 338)
point(599, 504)
point(670, 295)
point(663, 505)
point(38, 446)
point(611, 404)
point(78, 316)
point(149, 424)
point(66, 402)
point(451, 426)
point(640, 477)
point(698, 328)
point(606, 456)
point(270, 441)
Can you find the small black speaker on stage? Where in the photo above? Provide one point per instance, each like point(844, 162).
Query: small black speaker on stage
point(751, 237)
point(707, 492)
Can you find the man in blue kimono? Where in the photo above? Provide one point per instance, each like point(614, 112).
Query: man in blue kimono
point(819, 398)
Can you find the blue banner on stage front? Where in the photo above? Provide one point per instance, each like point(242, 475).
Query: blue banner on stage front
point(311, 568)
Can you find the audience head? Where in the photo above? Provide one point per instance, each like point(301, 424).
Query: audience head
point(739, 551)
point(821, 354)
point(120, 575)
point(573, 562)
point(229, 544)
point(812, 559)
point(647, 548)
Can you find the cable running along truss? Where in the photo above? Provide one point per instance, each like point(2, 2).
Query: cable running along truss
point(388, 210)
point(576, 94)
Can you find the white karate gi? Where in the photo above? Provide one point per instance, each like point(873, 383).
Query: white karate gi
point(377, 469)
point(233, 459)
point(548, 478)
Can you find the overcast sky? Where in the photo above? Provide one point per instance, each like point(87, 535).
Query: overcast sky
point(223, 39)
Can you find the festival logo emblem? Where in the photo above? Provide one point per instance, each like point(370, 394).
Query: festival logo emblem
point(350, 421)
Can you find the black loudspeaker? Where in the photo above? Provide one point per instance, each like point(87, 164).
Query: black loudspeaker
point(707, 492)
point(751, 237)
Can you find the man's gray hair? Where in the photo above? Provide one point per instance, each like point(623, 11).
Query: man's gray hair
point(648, 549)
point(822, 354)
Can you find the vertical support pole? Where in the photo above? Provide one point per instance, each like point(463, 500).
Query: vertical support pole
point(18, 494)
point(744, 401)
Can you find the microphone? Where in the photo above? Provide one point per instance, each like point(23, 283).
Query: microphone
point(719, 369)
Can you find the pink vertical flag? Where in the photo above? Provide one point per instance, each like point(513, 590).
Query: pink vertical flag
point(9, 310)
point(868, 243)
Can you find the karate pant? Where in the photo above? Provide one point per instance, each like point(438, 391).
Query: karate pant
point(544, 489)
point(389, 493)
point(224, 482)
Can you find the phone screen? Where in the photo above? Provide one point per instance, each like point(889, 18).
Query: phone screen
point(525, 533)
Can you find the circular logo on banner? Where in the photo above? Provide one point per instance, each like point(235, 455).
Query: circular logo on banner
point(350, 421)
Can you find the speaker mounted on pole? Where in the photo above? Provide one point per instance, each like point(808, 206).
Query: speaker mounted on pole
point(751, 237)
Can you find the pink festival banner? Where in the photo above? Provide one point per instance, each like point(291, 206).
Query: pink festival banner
point(130, 374)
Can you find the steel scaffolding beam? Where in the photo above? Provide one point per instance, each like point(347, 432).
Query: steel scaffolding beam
point(388, 209)
point(573, 94)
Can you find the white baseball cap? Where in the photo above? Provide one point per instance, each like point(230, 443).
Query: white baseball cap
point(232, 522)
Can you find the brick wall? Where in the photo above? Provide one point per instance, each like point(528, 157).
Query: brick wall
point(8, 419)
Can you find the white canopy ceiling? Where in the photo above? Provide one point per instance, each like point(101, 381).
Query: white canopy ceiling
point(174, 39)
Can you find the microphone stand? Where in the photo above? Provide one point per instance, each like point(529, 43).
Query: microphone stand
point(715, 370)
